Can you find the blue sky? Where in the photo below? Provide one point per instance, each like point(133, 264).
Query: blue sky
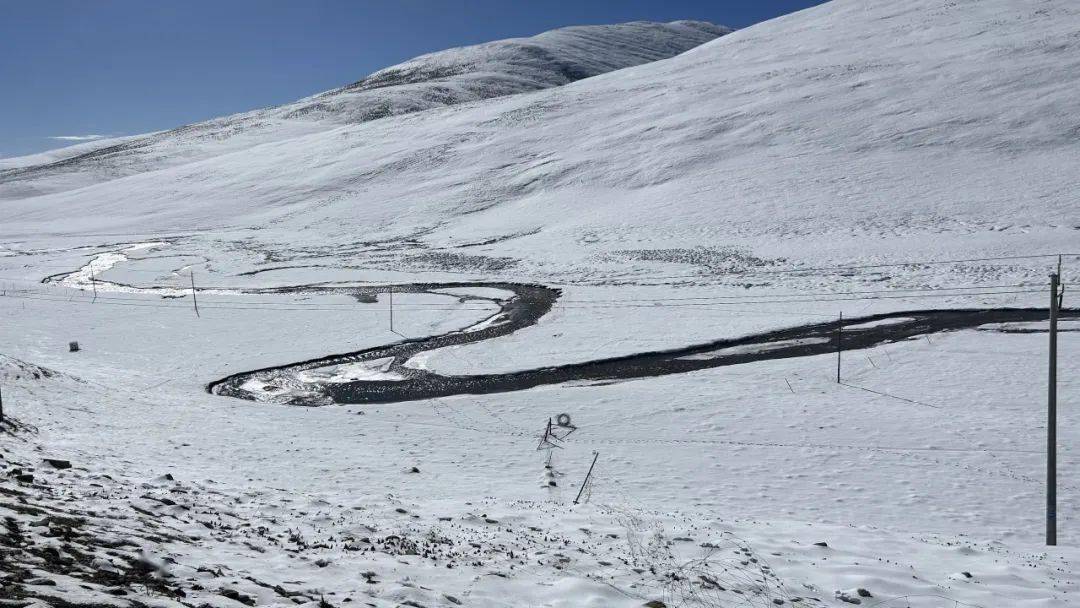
point(75, 68)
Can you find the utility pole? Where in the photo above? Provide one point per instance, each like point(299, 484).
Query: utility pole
point(1, 405)
point(392, 309)
point(839, 337)
point(93, 282)
point(587, 476)
point(194, 300)
point(1051, 411)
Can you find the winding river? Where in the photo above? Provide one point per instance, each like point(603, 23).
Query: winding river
point(383, 375)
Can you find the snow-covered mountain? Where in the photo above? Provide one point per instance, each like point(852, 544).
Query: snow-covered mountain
point(434, 80)
point(871, 122)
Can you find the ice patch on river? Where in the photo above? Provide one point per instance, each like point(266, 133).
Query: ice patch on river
point(284, 387)
point(880, 323)
point(281, 389)
point(264, 386)
point(491, 321)
point(420, 360)
point(368, 371)
point(747, 349)
point(1064, 325)
point(85, 278)
point(487, 293)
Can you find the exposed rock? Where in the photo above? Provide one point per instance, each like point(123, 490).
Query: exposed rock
point(233, 594)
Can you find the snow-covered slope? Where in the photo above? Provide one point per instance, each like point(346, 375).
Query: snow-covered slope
point(868, 121)
point(434, 80)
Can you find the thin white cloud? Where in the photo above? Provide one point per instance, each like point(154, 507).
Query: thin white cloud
point(89, 137)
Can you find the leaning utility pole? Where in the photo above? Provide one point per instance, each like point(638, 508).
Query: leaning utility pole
point(839, 344)
point(587, 476)
point(1051, 412)
point(194, 300)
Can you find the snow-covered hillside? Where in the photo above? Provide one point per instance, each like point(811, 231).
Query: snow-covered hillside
point(870, 122)
point(434, 80)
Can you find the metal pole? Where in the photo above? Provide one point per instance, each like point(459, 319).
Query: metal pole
point(839, 337)
point(194, 300)
point(545, 441)
point(587, 475)
point(1051, 422)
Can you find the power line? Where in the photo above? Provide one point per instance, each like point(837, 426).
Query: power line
point(205, 293)
point(126, 270)
point(238, 305)
point(797, 295)
point(658, 302)
point(775, 271)
point(854, 267)
point(891, 396)
point(184, 291)
point(206, 306)
point(563, 303)
point(358, 308)
point(689, 301)
point(706, 305)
